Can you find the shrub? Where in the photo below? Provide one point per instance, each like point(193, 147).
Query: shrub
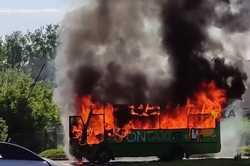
point(246, 150)
point(54, 154)
point(28, 110)
point(3, 130)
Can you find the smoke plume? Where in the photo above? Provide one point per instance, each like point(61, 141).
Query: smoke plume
point(112, 51)
point(145, 51)
point(232, 129)
point(186, 38)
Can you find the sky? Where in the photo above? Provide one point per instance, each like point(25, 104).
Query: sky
point(23, 15)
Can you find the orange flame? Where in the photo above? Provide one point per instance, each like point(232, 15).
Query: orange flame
point(202, 110)
point(77, 131)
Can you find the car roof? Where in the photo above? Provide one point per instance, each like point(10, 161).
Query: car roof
point(17, 152)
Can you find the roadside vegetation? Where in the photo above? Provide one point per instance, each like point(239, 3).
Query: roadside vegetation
point(246, 150)
point(3, 130)
point(27, 109)
point(54, 154)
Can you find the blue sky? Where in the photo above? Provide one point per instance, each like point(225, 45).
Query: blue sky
point(32, 3)
point(26, 15)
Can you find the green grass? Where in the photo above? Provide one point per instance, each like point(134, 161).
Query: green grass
point(54, 154)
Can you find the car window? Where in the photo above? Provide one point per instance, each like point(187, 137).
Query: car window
point(15, 152)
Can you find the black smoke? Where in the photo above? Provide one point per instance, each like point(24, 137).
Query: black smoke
point(108, 54)
point(185, 39)
point(118, 73)
point(235, 15)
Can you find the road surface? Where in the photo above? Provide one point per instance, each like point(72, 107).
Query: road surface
point(189, 162)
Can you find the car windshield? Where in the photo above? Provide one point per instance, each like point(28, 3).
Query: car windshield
point(15, 152)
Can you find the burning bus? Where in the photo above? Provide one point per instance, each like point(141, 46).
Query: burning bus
point(145, 78)
point(101, 132)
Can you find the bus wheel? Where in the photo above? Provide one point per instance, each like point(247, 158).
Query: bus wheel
point(99, 154)
point(167, 157)
point(173, 154)
point(104, 156)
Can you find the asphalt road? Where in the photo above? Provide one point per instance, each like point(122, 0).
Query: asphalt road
point(190, 162)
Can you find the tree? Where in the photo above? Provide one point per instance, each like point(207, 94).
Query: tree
point(27, 109)
point(14, 46)
point(3, 56)
point(28, 52)
point(42, 48)
point(3, 130)
point(27, 118)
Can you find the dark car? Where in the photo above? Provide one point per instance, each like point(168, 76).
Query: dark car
point(15, 155)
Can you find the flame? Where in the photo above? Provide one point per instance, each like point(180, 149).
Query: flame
point(202, 110)
point(77, 130)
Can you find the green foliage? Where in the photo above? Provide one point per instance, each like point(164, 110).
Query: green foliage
point(14, 47)
point(27, 109)
point(28, 52)
point(247, 123)
point(246, 131)
point(42, 47)
point(54, 154)
point(246, 150)
point(3, 130)
point(3, 55)
point(44, 110)
point(27, 118)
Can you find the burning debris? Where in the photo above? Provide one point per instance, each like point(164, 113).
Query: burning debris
point(146, 65)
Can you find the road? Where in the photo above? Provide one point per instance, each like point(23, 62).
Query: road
point(190, 162)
